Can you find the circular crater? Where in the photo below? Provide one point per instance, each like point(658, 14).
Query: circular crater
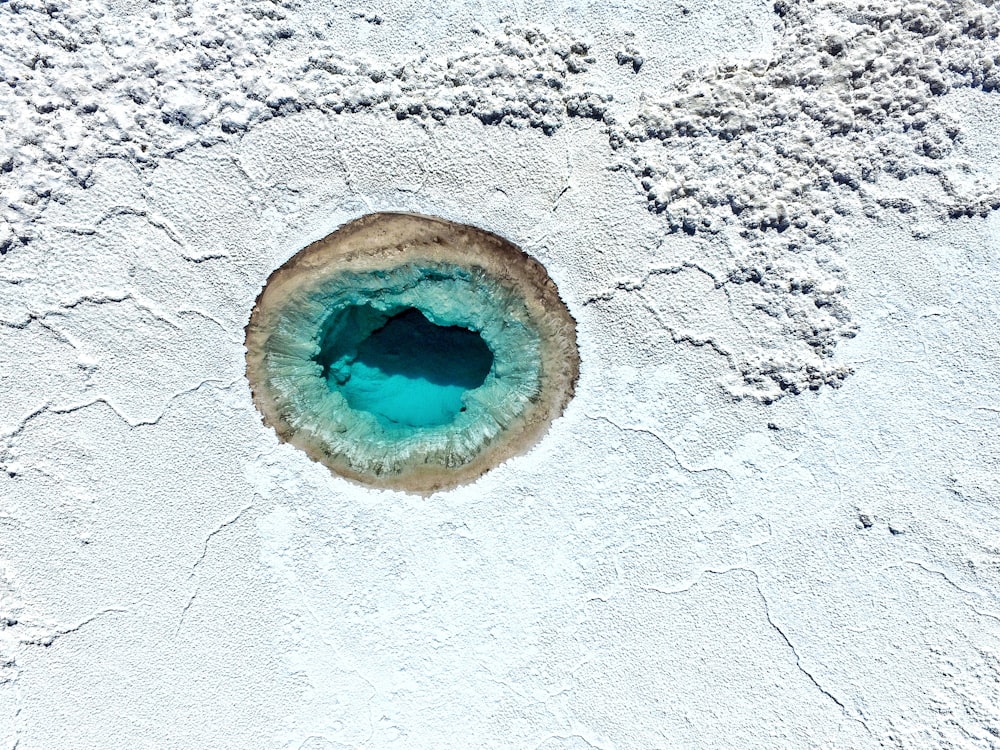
point(410, 352)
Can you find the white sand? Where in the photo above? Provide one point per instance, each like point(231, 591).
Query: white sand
point(769, 517)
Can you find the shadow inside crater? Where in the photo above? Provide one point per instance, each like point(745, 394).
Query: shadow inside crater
point(407, 371)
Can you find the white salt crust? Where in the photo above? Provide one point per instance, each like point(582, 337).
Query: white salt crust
point(797, 143)
point(739, 201)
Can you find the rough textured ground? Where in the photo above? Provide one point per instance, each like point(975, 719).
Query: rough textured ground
point(770, 516)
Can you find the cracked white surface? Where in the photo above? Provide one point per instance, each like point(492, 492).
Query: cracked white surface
point(678, 563)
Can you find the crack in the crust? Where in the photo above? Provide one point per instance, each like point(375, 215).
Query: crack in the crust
point(221, 383)
point(114, 212)
point(48, 639)
point(204, 257)
point(572, 736)
point(636, 287)
point(936, 571)
point(681, 338)
point(204, 551)
point(104, 298)
point(774, 626)
point(228, 329)
point(942, 574)
point(662, 440)
point(99, 297)
point(58, 335)
point(44, 639)
point(48, 408)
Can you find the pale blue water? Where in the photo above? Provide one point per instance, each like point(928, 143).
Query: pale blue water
point(410, 372)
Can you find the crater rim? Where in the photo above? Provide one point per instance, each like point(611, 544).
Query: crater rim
point(387, 243)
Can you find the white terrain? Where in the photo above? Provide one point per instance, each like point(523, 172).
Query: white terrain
point(768, 518)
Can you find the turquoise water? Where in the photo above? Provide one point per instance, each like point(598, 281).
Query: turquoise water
point(421, 363)
point(410, 372)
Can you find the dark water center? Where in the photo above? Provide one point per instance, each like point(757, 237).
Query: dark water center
point(410, 372)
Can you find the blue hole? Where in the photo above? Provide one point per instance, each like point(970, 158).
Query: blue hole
point(404, 369)
point(411, 353)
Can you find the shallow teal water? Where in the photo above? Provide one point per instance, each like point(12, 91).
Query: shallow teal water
point(410, 372)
